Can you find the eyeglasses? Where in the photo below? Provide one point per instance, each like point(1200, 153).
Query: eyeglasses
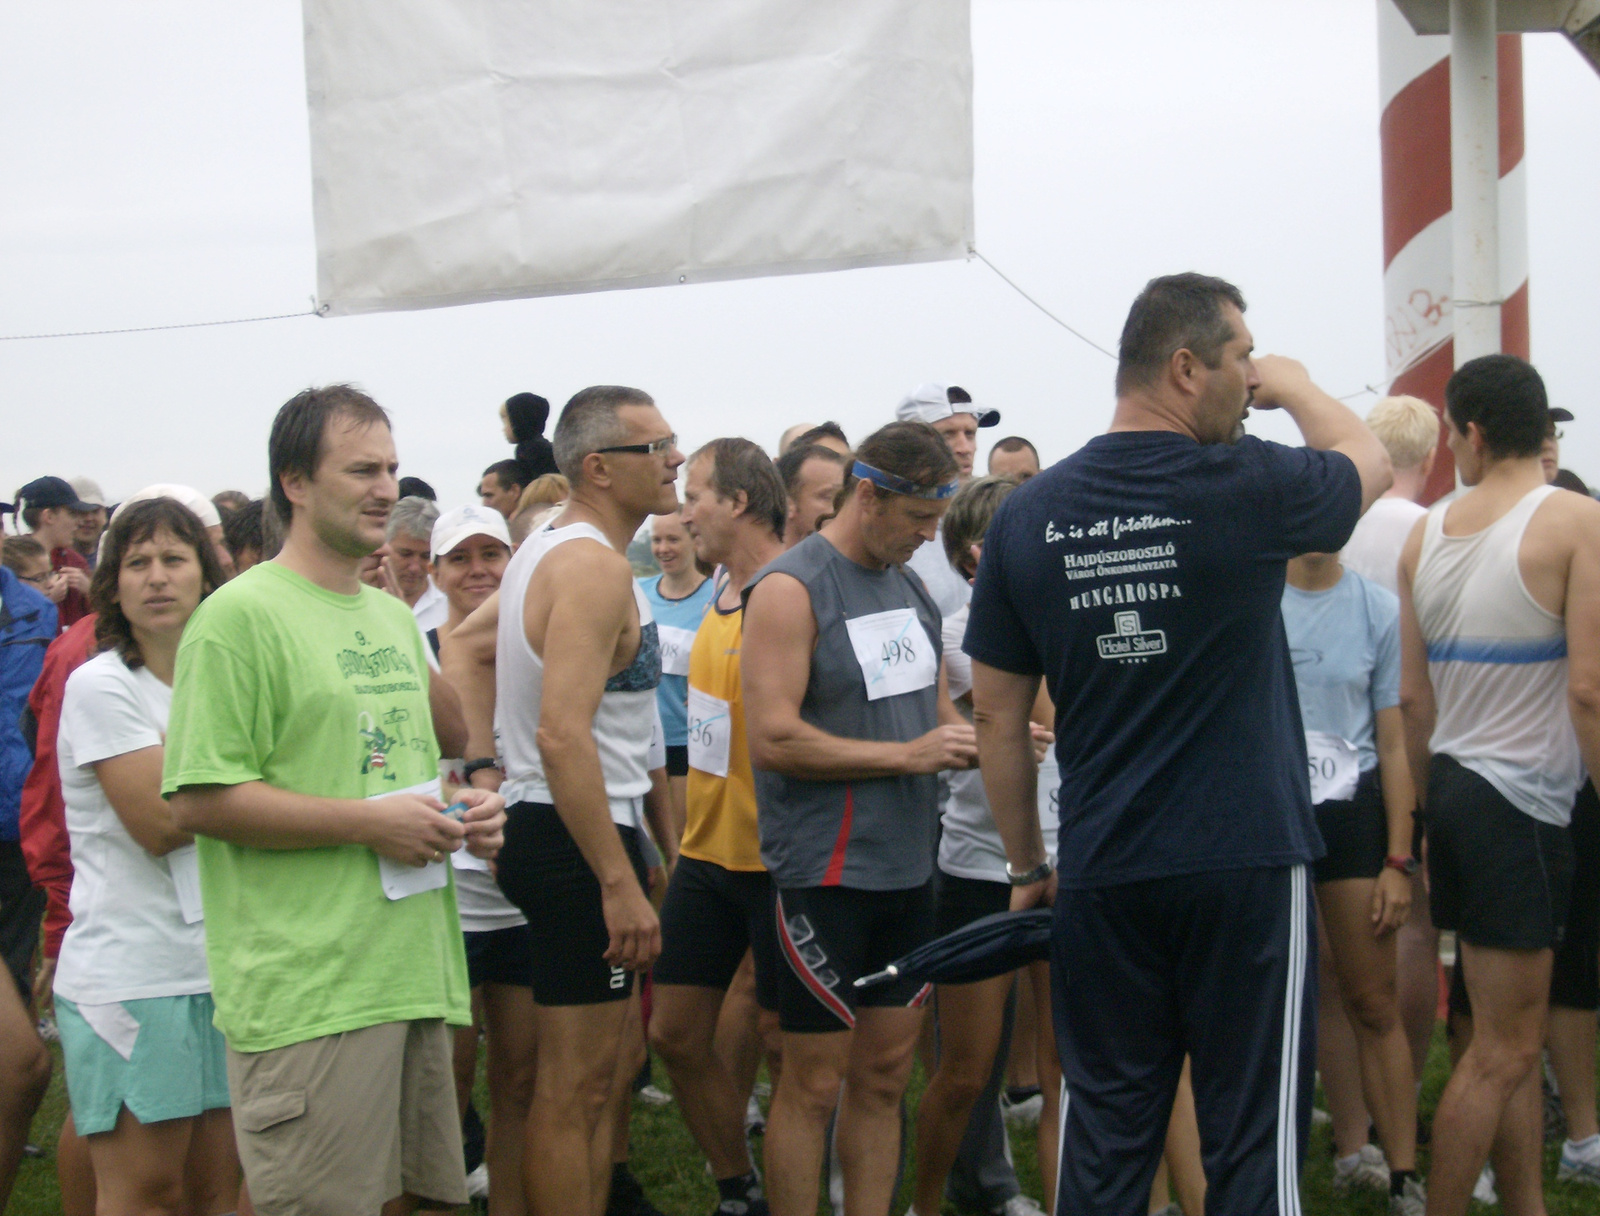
point(654, 448)
point(39, 580)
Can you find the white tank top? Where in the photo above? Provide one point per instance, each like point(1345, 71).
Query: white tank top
point(1498, 662)
point(624, 720)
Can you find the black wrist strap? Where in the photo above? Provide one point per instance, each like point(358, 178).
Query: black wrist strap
point(473, 766)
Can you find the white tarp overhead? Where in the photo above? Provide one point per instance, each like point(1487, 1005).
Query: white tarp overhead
point(468, 150)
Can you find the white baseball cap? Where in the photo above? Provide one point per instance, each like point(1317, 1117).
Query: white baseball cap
point(455, 526)
point(932, 402)
point(88, 491)
point(187, 495)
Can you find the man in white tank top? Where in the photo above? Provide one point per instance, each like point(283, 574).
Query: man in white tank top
point(1500, 642)
point(575, 634)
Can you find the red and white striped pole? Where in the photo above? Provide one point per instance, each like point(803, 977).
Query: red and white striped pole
point(1418, 277)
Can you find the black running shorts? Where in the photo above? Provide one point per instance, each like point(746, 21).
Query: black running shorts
point(499, 956)
point(831, 936)
point(964, 900)
point(1356, 833)
point(710, 917)
point(1497, 876)
point(544, 874)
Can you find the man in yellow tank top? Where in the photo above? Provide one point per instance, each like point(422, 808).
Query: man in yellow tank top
point(719, 903)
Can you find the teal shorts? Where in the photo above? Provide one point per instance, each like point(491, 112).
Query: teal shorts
point(177, 1065)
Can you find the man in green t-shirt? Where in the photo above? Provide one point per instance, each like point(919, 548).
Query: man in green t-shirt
point(301, 752)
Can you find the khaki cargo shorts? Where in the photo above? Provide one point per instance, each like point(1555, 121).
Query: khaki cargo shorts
point(340, 1125)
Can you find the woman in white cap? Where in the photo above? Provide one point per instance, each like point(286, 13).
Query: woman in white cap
point(471, 547)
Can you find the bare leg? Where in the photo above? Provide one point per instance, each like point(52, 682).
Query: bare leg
point(1159, 1191)
point(212, 1177)
point(578, 1049)
point(24, 1076)
point(1024, 1067)
point(883, 1047)
point(74, 1171)
point(797, 1125)
point(1518, 1149)
point(683, 1029)
point(970, 1022)
point(464, 1054)
point(1417, 975)
point(1509, 990)
point(1570, 1036)
point(1338, 1058)
point(1366, 975)
point(1049, 1068)
point(738, 1037)
point(139, 1167)
point(611, 1139)
point(1183, 1160)
point(508, 1011)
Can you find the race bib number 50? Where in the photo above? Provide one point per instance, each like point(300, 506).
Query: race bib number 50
point(1335, 767)
point(894, 652)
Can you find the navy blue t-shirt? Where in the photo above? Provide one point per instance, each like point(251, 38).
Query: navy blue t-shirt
point(1143, 578)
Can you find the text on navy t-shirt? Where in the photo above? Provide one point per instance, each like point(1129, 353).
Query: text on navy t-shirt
point(1143, 578)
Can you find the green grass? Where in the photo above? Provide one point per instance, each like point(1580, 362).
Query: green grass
point(673, 1172)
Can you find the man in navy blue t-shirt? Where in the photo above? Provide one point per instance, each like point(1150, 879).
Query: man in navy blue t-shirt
point(1142, 578)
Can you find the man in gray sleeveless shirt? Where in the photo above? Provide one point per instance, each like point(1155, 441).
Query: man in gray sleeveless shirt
point(849, 724)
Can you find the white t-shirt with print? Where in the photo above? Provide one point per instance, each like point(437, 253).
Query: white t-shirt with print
point(128, 939)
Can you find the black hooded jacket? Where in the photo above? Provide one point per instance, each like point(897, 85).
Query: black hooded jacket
point(528, 413)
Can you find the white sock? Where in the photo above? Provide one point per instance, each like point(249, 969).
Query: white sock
point(1589, 1147)
point(1350, 1162)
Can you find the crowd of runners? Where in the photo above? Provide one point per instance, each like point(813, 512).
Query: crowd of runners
point(320, 796)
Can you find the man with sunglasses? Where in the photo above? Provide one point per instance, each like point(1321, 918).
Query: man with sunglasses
point(575, 633)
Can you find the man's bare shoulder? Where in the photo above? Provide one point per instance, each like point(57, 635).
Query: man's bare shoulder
point(584, 563)
point(1566, 519)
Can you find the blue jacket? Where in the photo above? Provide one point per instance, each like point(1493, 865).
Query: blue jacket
point(27, 626)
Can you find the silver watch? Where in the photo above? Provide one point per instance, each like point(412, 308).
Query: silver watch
point(1027, 878)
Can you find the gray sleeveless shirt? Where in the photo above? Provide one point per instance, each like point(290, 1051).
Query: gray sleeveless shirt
point(875, 835)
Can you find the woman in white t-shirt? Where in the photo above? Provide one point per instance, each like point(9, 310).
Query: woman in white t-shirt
point(146, 1070)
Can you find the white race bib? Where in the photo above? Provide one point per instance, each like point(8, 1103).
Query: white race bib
point(675, 647)
point(894, 652)
point(1335, 767)
point(184, 864)
point(709, 730)
point(400, 880)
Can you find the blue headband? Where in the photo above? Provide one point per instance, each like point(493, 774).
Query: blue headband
point(899, 485)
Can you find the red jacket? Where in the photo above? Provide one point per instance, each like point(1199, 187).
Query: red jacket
point(43, 819)
point(74, 606)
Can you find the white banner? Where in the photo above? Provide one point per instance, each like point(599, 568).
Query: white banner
point(468, 150)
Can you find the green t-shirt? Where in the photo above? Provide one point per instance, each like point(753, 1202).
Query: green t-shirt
point(281, 681)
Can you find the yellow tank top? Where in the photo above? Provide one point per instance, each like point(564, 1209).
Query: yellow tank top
point(721, 825)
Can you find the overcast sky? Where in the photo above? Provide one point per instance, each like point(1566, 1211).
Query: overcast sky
point(154, 169)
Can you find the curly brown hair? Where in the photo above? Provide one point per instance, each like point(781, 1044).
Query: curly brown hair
point(137, 523)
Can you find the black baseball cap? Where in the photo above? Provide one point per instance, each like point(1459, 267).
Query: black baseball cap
point(48, 492)
point(1557, 414)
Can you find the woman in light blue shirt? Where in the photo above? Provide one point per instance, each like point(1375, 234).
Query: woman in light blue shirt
point(1344, 639)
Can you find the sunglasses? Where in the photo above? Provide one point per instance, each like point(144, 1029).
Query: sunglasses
point(654, 448)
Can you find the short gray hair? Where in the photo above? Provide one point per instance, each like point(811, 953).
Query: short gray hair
point(413, 516)
point(589, 422)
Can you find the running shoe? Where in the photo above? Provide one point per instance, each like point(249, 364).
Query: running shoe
point(1411, 1201)
point(1367, 1168)
point(1579, 1167)
point(755, 1120)
point(1019, 1205)
point(478, 1183)
point(653, 1095)
point(1023, 1112)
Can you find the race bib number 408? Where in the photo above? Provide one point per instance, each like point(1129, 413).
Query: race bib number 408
point(675, 647)
point(894, 652)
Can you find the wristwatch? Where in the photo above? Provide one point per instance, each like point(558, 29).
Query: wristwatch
point(473, 766)
point(1027, 878)
point(1406, 865)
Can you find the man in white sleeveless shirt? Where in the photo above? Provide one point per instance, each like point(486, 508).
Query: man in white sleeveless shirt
point(1500, 641)
point(575, 634)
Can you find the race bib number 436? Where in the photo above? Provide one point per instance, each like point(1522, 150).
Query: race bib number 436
point(708, 733)
point(894, 652)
